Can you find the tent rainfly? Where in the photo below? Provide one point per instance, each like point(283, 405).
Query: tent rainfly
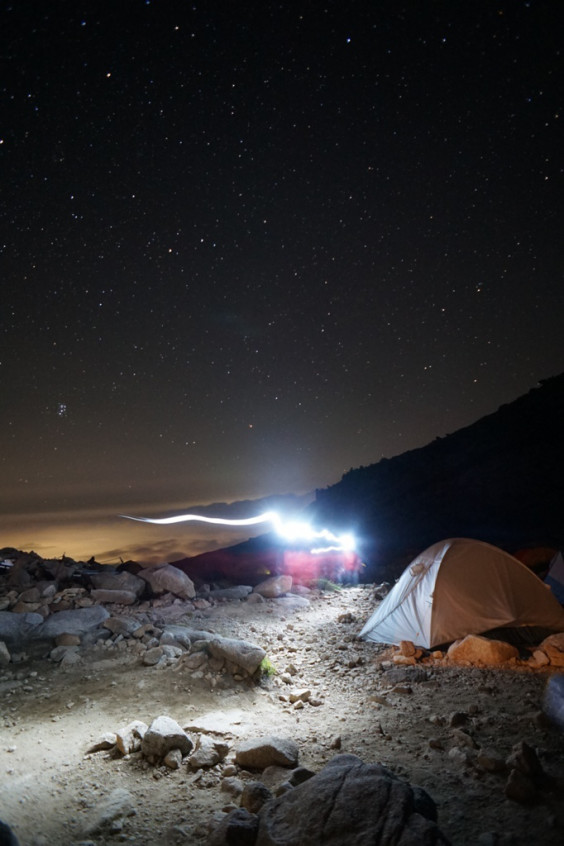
point(459, 587)
point(555, 577)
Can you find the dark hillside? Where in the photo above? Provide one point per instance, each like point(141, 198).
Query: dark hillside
point(500, 480)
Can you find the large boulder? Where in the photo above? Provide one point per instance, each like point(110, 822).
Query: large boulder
point(7, 836)
point(243, 654)
point(169, 579)
point(17, 628)
point(75, 621)
point(347, 802)
point(350, 802)
point(114, 580)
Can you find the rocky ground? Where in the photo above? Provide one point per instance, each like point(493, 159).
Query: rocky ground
point(457, 731)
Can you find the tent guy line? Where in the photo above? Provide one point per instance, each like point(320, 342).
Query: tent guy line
point(292, 531)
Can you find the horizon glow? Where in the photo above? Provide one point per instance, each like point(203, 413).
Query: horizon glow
point(293, 531)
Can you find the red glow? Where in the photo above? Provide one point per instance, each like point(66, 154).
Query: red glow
point(334, 565)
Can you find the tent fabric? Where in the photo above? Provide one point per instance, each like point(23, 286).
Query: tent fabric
point(555, 577)
point(458, 587)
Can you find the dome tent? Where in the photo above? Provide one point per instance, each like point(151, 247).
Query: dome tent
point(458, 587)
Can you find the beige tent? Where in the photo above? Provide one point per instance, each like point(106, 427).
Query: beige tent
point(459, 587)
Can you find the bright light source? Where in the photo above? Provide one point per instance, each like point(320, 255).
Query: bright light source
point(292, 531)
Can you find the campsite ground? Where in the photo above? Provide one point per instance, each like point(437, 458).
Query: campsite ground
point(50, 788)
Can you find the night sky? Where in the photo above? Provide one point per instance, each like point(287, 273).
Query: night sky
point(245, 247)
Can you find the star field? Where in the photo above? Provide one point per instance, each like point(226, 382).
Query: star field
point(247, 247)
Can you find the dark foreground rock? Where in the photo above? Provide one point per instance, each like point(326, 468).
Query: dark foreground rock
point(7, 836)
point(347, 802)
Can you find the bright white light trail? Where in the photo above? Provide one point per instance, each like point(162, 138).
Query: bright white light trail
point(293, 531)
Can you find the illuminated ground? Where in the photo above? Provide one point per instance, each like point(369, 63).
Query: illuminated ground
point(49, 786)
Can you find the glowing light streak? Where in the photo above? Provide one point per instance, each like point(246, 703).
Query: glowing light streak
point(323, 550)
point(292, 531)
point(184, 518)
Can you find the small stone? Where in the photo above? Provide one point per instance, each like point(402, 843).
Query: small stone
point(106, 741)
point(263, 752)
point(67, 639)
point(173, 759)
point(208, 753)
point(524, 759)
point(407, 648)
point(274, 586)
point(230, 770)
point(128, 739)
point(254, 795)
point(404, 660)
point(231, 785)
point(539, 658)
point(153, 656)
point(303, 695)
point(164, 734)
point(458, 718)
point(462, 738)
point(195, 660)
point(459, 756)
point(255, 599)
point(490, 761)
point(520, 788)
point(59, 652)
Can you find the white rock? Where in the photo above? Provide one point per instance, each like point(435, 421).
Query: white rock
point(164, 734)
point(267, 751)
point(169, 579)
point(274, 586)
point(128, 739)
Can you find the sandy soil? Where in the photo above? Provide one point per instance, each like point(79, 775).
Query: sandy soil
point(50, 716)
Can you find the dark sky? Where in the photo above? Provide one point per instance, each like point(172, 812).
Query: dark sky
point(247, 246)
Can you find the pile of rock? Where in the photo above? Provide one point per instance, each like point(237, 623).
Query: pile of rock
point(58, 608)
point(164, 742)
point(479, 651)
point(75, 631)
